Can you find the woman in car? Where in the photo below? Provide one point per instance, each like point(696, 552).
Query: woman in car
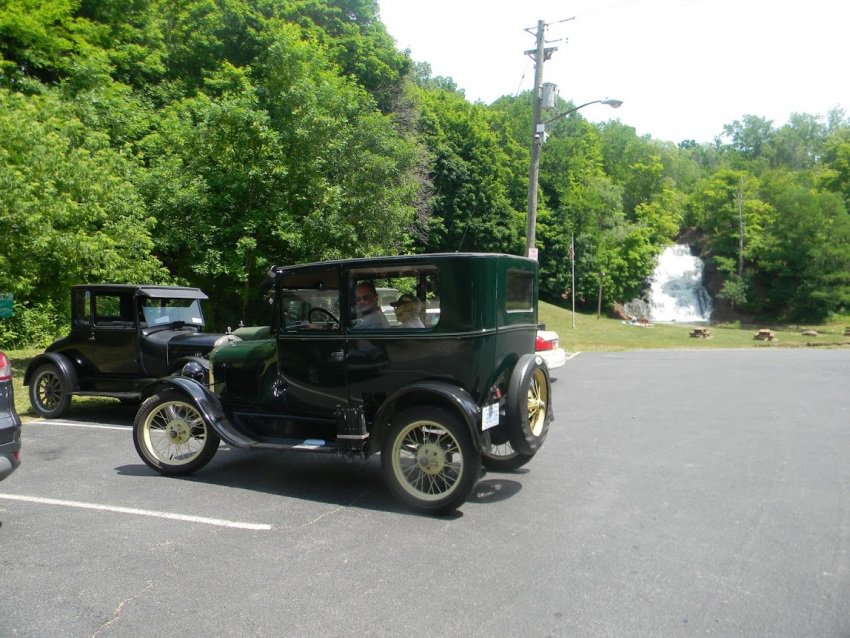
point(407, 309)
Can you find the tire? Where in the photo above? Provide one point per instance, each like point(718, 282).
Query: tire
point(527, 411)
point(429, 460)
point(50, 392)
point(171, 436)
point(502, 457)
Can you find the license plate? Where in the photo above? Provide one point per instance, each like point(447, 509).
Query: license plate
point(490, 416)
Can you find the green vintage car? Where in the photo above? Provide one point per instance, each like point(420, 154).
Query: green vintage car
point(446, 382)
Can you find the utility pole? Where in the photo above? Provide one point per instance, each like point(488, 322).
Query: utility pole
point(538, 130)
point(740, 199)
point(599, 306)
point(540, 54)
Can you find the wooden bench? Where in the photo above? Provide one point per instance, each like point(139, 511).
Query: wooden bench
point(700, 333)
point(764, 334)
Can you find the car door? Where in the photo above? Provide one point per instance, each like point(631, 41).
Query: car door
point(310, 345)
point(114, 334)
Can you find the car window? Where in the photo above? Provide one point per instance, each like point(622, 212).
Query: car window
point(80, 300)
point(394, 298)
point(165, 310)
point(520, 291)
point(113, 309)
point(310, 303)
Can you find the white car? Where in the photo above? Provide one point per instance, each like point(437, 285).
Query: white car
point(549, 347)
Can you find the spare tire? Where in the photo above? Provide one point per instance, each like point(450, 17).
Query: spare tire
point(528, 410)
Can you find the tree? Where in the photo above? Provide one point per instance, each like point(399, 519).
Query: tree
point(804, 262)
point(471, 176)
point(69, 211)
point(291, 163)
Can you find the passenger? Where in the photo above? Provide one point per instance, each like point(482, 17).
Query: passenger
point(407, 310)
point(369, 314)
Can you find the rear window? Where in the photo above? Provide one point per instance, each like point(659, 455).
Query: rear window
point(519, 291)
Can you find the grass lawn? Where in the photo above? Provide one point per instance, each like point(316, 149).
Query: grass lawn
point(589, 334)
point(610, 335)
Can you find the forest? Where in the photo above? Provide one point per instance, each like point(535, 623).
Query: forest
point(201, 142)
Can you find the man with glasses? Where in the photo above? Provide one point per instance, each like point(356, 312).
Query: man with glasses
point(369, 314)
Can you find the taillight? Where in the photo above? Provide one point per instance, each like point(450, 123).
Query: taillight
point(542, 344)
point(5, 368)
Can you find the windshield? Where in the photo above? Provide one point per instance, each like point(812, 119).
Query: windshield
point(166, 310)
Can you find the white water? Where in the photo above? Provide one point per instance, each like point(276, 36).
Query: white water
point(677, 293)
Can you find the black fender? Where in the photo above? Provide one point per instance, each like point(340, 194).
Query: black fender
point(63, 364)
point(207, 403)
point(437, 393)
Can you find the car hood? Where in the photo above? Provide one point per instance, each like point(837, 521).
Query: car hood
point(184, 338)
point(190, 339)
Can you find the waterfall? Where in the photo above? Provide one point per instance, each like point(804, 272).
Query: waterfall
point(677, 293)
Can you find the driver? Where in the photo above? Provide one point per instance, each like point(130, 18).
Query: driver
point(369, 314)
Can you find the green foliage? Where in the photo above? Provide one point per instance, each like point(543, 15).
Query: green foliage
point(735, 290)
point(291, 163)
point(69, 211)
point(804, 263)
point(470, 175)
point(33, 326)
point(836, 177)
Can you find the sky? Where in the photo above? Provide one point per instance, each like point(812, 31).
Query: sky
point(683, 68)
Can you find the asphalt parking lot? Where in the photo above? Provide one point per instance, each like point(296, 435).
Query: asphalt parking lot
point(679, 493)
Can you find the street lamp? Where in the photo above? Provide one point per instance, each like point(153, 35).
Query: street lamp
point(536, 143)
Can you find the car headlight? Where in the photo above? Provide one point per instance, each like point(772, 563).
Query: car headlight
point(194, 370)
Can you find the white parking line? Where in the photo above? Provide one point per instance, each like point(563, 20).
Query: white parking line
point(138, 512)
point(78, 424)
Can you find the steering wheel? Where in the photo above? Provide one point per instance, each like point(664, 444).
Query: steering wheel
point(323, 316)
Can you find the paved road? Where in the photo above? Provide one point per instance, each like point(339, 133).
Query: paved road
point(679, 494)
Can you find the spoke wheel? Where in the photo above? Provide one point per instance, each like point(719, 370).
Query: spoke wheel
point(528, 411)
point(429, 460)
point(171, 436)
point(49, 392)
point(502, 457)
point(538, 401)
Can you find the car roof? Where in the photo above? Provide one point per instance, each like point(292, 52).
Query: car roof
point(377, 261)
point(173, 292)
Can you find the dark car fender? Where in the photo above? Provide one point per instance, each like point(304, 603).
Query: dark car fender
point(207, 403)
point(433, 393)
point(63, 364)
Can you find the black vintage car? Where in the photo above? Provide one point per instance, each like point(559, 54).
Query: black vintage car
point(123, 337)
point(445, 383)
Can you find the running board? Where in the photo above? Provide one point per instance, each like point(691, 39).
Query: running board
point(295, 445)
point(110, 395)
